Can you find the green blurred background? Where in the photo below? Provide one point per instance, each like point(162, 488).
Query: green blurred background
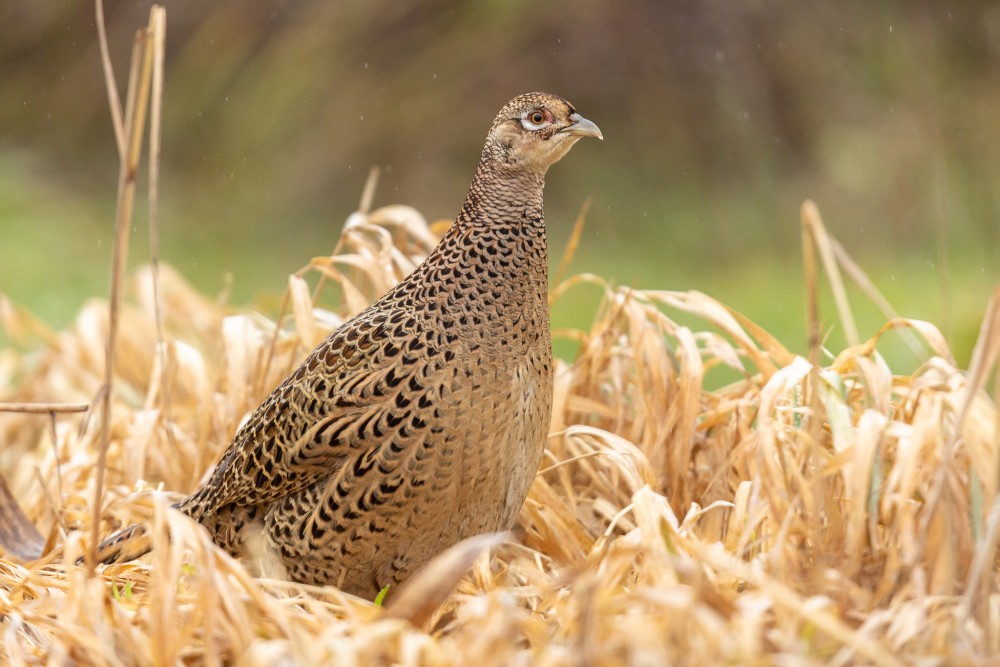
point(719, 119)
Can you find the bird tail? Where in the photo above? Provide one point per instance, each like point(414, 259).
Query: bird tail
point(125, 545)
point(134, 541)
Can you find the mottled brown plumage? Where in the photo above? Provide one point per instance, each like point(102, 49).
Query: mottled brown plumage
point(422, 420)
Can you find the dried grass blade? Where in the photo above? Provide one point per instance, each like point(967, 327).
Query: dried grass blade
point(157, 28)
point(410, 221)
point(984, 355)
point(811, 226)
point(44, 408)
point(355, 298)
point(305, 323)
point(706, 307)
point(930, 333)
point(141, 52)
point(114, 102)
point(418, 599)
point(781, 355)
point(358, 217)
point(571, 245)
point(261, 376)
point(861, 279)
point(824, 244)
point(633, 463)
point(368, 193)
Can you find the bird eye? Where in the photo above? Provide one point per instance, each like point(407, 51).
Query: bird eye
point(534, 120)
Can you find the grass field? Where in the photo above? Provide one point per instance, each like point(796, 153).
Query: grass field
point(802, 514)
point(55, 229)
point(735, 474)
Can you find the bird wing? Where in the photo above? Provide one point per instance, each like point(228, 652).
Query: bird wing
point(356, 392)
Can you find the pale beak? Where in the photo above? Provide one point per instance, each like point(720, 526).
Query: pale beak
point(582, 127)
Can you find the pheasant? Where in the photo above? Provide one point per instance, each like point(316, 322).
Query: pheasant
point(422, 420)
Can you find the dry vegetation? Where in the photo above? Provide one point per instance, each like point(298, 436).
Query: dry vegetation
point(821, 511)
point(835, 515)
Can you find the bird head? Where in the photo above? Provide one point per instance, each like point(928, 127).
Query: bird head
point(533, 131)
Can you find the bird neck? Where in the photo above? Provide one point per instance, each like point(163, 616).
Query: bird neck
point(494, 256)
point(488, 276)
point(502, 227)
point(503, 196)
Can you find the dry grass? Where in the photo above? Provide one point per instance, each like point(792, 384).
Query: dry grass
point(669, 524)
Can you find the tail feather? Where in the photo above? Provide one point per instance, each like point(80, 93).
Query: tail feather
point(125, 545)
point(134, 542)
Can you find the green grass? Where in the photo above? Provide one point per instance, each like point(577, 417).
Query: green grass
point(56, 253)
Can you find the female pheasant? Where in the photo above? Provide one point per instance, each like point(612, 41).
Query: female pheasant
point(421, 421)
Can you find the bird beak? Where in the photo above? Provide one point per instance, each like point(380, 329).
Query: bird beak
point(582, 127)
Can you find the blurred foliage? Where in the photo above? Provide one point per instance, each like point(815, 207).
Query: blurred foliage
point(719, 118)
